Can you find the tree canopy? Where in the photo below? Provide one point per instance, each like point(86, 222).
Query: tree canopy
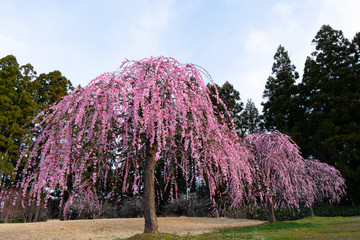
point(328, 182)
point(280, 91)
point(251, 122)
point(280, 178)
point(150, 110)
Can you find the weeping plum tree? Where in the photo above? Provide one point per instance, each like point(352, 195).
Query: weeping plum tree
point(329, 185)
point(280, 178)
point(150, 110)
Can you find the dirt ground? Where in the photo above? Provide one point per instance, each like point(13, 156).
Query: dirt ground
point(113, 228)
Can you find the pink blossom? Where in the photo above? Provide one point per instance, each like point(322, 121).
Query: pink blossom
point(107, 126)
point(279, 173)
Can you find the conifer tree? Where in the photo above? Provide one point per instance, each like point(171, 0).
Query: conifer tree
point(51, 87)
point(17, 108)
point(251, 122)
point(330, 95)
point(232, 100)
point(280, 94)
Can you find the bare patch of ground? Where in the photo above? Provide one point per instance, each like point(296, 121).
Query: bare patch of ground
point(114, 228)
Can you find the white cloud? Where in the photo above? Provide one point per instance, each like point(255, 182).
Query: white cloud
point(148, 30)
point(283, 9)
point(8, 42)
point(341, 15)
point(235, 40)
point(259, 42)
point(287, 28)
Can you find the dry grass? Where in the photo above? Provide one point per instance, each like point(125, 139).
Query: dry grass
point(114, 228)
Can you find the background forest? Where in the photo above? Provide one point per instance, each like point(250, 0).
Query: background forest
point(320, 112)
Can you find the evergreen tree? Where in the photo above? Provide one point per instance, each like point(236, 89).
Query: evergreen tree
point(251, 122)
point(330, 92)
point(280, 94)
point(231, 98)
point(17, 108)
point(354, 105)
point(51, 88)
point(22, 96)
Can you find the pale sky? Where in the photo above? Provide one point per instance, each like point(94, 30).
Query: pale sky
point(234, 40)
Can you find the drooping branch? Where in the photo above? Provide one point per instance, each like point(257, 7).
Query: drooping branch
point(109, 126)
point(329, 185)
point(279, 171)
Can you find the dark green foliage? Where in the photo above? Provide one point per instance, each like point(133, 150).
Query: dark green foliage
point(320, 210)
point(246, 120)
point(192, 206)
point(280, 108)
point(330, 93)
point(51, 88)
point(281, 214)
point(22, 96)
point(17, 108)
point(327, 210)
point(231, 98)
point(322, 113)
point(251, 122)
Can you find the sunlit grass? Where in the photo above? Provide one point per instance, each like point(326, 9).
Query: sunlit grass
point(314, 228)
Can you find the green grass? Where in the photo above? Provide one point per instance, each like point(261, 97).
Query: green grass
point(312, 228)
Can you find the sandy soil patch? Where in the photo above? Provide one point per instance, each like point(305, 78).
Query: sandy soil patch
point(114, 228)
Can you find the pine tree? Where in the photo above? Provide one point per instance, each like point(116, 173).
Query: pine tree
point(251, 122)
point(280, 94)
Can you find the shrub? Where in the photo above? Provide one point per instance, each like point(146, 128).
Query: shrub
point(188, 206)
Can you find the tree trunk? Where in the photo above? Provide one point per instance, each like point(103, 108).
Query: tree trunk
point(2, 173)
point(65, 197)
point(311, 212)
point(271, 212)
point(30, 217)
point(39, 209)
point(151, 224)
point(2, 180)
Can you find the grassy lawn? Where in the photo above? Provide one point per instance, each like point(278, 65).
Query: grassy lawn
point(311, 228)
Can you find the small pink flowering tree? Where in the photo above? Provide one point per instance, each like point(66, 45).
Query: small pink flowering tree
point(10, 208)
point(151, 110)
point(280, 178)
point(329, 185)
